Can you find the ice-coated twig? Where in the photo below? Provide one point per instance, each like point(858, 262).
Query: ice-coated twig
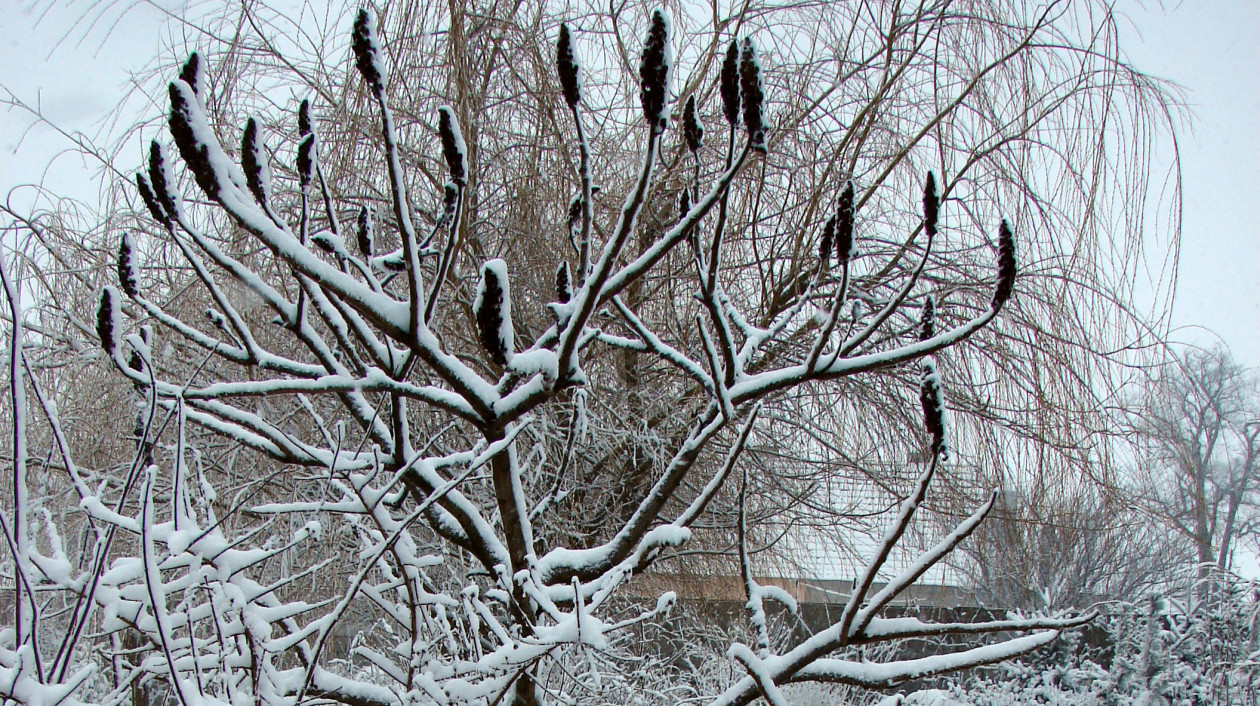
point(25, 604)
point(756, 669)
point(369, 62)
point(455, 152)
point(752, 590)
point(930, 209)
point(697, 506)
point(569, 69)
point(667, 352)
point(492, 308)
point(891, 536)
point(398, 532)
point(717, 386)
point(920, 566)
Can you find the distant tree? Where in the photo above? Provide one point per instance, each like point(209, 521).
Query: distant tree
point(416, 419)
point(1091, 545)
point(1196, 431)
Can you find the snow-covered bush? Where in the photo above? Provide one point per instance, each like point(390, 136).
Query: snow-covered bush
point(1199, 647)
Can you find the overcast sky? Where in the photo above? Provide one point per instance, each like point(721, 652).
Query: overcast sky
point(1210, 47)
point(1207, 46)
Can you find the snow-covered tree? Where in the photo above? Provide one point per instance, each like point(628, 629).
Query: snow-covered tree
point(431, 511)
point(1185, 647)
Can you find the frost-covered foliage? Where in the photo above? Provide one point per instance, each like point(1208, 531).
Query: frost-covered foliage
point(413, 524)
point(1199, 647)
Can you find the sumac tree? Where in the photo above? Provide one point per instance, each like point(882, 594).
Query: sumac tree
point(419, 421)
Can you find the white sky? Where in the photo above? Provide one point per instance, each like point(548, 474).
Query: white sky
point(1210, 47)
point(75, 80)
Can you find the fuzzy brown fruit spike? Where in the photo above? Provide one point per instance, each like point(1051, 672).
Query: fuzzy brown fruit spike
point(128, 273)
point(693, 131)
point(575, 213)
point(931, 205)
point(150, 201)
point(450, 199)
point(364, 232)
point(730, 84)
point(826, 244)
point(927, 321)
point(453, 148)
point(159, 181)
point(564, 283)
point(844, 225)
point(195, 155)
point(654, 73)
point(254, 162)
point(753, 97)
point(492, 307)
point(932, 397)
point(1006, 265)
point(306, 161)
point(568, 67)
point(193, 74)
point(108, 314)
point(367, 51)
point(305, 125)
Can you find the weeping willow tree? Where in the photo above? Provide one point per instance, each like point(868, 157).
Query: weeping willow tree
point(1027, 109)
point(514, 219)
